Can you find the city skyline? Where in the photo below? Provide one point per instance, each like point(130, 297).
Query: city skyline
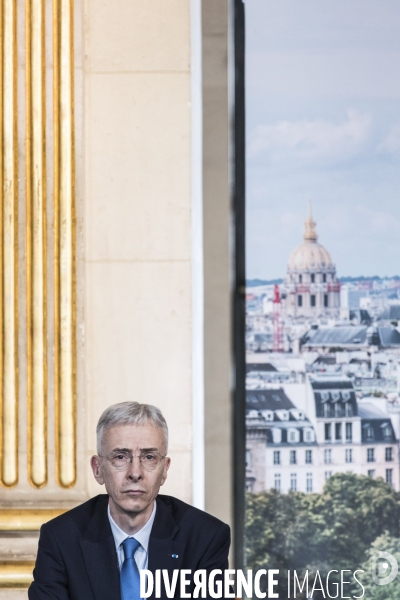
point(323, 122)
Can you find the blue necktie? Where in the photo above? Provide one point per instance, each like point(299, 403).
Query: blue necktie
point(130, 578)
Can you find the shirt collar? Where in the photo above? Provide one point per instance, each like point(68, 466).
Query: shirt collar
point(142, 536)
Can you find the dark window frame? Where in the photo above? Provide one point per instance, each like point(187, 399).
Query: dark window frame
point(239, 283)
point(389, 454)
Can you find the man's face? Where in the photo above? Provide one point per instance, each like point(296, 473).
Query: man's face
point(133, 490)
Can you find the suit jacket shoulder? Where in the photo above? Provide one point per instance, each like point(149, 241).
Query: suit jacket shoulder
point(199, 540)
point(186, 515)
point(80, 516)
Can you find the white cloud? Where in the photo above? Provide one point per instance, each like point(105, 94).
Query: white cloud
point(318, 141)
point(391, 143)
point(378, 222)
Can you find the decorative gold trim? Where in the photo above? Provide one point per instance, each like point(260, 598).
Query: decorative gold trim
point(36, 243)
point(64, 243)
point(9, 247)
point(14, 519)
point(16, 574)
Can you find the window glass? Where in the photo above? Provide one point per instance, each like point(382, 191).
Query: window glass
point(322, 286)
point(328, 427)
point(327, 456)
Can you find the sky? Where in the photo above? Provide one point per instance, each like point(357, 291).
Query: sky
point(323, 123)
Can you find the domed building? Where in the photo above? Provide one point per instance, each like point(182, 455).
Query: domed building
point(311, 286)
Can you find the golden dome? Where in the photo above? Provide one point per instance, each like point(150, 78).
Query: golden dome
point(310, 255)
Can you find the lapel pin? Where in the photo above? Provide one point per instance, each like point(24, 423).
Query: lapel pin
point(174, 555)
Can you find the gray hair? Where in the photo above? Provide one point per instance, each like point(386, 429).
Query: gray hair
point(130, 413)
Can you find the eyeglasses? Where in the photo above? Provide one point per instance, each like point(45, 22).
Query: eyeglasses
point(120, 461)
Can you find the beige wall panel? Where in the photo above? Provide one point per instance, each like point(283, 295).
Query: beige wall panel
point(138, 157)
point(138, 329)
point(138, 35)
point(217, 262)
point(138, 217)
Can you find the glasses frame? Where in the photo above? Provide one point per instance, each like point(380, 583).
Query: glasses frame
point(132, 456)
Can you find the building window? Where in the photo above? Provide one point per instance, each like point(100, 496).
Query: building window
point(308, 435)
point(389, 476)
point(324, 277)
point(338, 409)
point(292, 436)
point(300, 300)
point(300, 278)
point(327, 475)
point(327, 432)
point(327, 410)
point(277, 457)
point(338, 431)
point(388, 454)
point(387, 432)
point(309, 482)
point(293, 482)
point(308, 457)
point(370, 455)
point(349, 455)
point(327, 456)
point(277, 482)
point(312, 298)
point(349, 432)
point(312, 278)
point(293, 460)
point(248, 456)
point(371, 472)
point(326, 301)
point(369, 433)
point(348, 410)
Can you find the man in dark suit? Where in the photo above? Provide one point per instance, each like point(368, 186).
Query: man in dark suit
point(96, 551)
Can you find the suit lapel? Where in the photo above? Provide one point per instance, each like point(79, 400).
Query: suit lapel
point(164, 552)
point(99, 555)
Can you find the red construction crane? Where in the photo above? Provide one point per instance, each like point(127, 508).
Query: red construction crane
point(277, 322)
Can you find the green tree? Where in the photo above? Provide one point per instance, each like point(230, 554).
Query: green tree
point(391, 591)
point(332, 530)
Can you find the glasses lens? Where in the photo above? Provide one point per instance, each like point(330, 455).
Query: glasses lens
point(150, 460)
point(120, 461)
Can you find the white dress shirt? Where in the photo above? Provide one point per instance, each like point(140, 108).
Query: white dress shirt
point(142, 536)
